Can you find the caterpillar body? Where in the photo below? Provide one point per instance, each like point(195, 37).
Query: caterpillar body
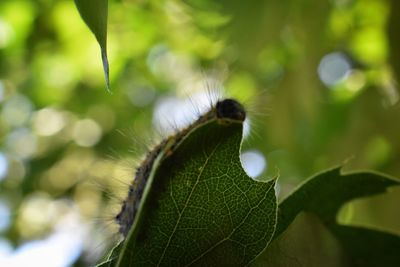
point(224, 111)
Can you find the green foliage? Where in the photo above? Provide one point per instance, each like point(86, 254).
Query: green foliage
point(201, 209)
point(323, 195)
point(62, 135)
point(95, 13)
point(306, 242)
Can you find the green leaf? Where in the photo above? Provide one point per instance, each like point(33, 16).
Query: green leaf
point(368, 247)
point(326, 192)
point(94, 13)
point(201, 208)
point(323, 195)
point(306, 242)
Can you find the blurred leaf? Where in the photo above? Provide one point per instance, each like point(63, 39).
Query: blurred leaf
point(94, 13)
point(202, 208)
point(393, 38)
point(369, 247)
point(323, 195)
point(326, 192)
point(306, 242)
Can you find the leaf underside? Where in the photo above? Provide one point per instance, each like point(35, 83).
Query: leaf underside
point(321, 197)
point(325, 193)
point(202, 209)
point(306, 242)
point(94, 13)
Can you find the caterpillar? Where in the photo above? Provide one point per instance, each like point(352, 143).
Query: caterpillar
point(223, 111)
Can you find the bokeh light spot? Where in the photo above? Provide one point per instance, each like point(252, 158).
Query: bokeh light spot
point(333, 68)
point(5, 248)
point(17, 110)
point(48, 122)
point(5, 216)
point(22, 143)
point(171, 112)
point(87, 133)
point(6, 33)
point(33, 218)
point(3, 166)
point(253, 162)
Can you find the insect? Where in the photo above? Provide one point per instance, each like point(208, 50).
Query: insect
point(224, 111)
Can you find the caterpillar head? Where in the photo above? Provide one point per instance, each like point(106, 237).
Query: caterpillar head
point(230, 109)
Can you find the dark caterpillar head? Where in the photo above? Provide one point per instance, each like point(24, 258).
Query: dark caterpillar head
point(230, 109)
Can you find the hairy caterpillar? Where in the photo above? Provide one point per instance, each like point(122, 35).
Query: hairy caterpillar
point(223, 111)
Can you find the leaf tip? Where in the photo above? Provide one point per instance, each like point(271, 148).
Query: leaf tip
point(106, 68)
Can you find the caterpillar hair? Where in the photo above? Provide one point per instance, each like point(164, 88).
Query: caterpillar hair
point(224, 111)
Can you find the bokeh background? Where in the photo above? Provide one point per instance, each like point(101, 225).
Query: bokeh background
point(319, 76)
